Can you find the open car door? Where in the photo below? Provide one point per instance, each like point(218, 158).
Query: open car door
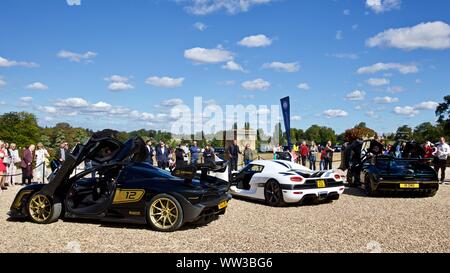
point(102, 151)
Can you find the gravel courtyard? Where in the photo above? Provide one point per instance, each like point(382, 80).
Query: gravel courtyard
point(354, 223)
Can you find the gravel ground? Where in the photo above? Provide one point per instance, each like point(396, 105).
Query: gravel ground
point(354, 223)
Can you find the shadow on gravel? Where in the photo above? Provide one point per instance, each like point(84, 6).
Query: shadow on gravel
point(101, 223)
point(305, 203)
point(358, 192)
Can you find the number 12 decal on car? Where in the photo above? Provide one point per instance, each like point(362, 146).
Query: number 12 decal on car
point(128, 196)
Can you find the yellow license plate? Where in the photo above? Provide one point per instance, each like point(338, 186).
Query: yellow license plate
point(223, 204)
point(409, 186)
point(321, 183)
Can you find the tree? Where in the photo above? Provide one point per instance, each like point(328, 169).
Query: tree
point(427, 132)
point(359, 132)
point(443, 114)
point(361, 125)
point(404, 132)
point(313, 134)
point(20, 128)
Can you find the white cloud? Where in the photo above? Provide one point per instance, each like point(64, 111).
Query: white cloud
point(116, 78)
point(204, 7)
point(200, 26)
point(351, 56)
point(355, 27)
point(335, 113)
point(233, 66)
point(227, 83)
point(339, 35)
point(118, 83)
point(259, 40)
point(77, 57)
point(303, 86)
point(356, 95)
point(395, 89)
point(406, 111)
point(404, 69)
point(120, 86)
point(37, 86)
point(285, 67)
point(296, 118)
point(205, 55)
point(164, 82)
point(346, 12)
point(100, 107)
point(384, 100)
point(9, 63)
point(371, 114)
point(171, 102)
point(258, 84)
point(47, 109)
point(2, 82)
point(26, 99)
point(427, 105)
point(431, 35)
point(73, 2)
point(378, 81)
point(380, 6)
point(72, 103)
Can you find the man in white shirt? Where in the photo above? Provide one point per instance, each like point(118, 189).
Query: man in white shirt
point(442, 152)
point(186, 152)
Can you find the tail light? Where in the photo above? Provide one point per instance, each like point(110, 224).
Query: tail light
point(341, 189)
point(298, 192)
point(337, 177)
point(296, 179)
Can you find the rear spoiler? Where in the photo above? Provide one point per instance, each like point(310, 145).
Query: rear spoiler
point(189, 172)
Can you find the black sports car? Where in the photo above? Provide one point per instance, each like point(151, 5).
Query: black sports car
point(402, 169)
point(122, 187)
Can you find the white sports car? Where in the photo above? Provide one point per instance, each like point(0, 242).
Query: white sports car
point(279, 182)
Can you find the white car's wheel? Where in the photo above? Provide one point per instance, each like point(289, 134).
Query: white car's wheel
point(273, 193)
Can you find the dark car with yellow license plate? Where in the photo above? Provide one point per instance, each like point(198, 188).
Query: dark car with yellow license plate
point(402, 169)
point(121, 187)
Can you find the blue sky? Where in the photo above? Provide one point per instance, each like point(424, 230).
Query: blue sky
point(124, 64)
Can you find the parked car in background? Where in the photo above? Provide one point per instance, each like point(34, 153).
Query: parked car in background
point(378, 173)
point(279, 182)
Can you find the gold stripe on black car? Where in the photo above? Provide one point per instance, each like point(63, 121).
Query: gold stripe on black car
point(123, 196)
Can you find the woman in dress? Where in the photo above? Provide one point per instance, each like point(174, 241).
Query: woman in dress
point(41, 156)
point(15, 158)
point(3, 155)
point(26, 165)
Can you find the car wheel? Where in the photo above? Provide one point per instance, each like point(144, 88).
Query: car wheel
point(273, 194)
point(165, 213)
point(43, 209)
point(368, 187)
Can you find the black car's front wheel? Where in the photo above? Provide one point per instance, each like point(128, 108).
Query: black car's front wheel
point(368, 187)
point(43, 209)
point(273, 194)
point(165, 213)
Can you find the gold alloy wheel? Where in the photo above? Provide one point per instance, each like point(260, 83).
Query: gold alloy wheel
point(40, 208)
point(164, 213)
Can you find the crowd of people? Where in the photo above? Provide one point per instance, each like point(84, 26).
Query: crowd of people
point(31, 163)
point(167, 157)
point(27, 163)
point(308, 155)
